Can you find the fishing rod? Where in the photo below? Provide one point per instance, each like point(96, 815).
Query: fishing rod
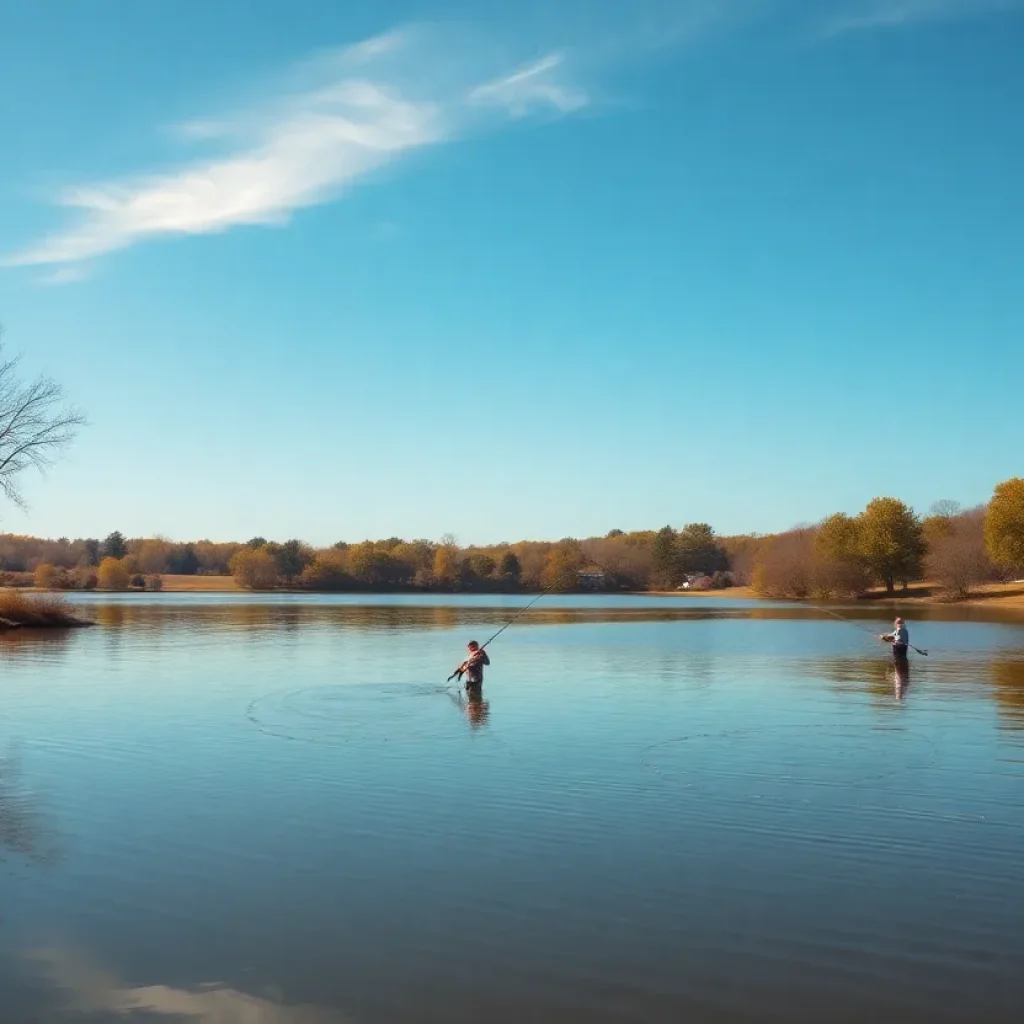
point(547, 590)
point(857, 625)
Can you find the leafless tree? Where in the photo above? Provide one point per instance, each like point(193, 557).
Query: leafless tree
point(958, 560)
point(785, 564)
point(945, 508)
point(36, 425)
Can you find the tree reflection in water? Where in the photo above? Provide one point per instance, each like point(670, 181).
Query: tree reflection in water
point(23, 829)
point(1008, 689)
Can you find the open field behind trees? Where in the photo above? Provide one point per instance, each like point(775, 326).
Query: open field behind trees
point(886, 549)
point(200, 584)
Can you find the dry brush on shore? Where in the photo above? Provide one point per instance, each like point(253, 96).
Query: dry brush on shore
point(31, 611)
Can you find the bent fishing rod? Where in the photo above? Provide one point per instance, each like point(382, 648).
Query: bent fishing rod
point(864, 629)
point(547, 590)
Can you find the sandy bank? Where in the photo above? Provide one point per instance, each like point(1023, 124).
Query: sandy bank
point(1003, 595)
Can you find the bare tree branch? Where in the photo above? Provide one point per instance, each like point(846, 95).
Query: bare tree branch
point(945, 508)
point(36, 426)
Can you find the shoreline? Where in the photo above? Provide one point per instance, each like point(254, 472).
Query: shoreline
point(1002, 595)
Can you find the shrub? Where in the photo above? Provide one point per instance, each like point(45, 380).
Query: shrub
point(113, 575)
point(47, 577)
point(138, 581)
point(328, 571)
point(18, 609)
point(254, 569)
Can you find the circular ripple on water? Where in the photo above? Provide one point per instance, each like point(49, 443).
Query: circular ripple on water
point(333, 715)
point(760, 758)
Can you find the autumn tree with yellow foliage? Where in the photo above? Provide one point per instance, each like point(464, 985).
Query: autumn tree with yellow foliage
point(113, 574)
point(1004, 525)
point(253, 569)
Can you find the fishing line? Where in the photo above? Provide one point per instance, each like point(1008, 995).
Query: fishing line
point(523, 610)
point(527, 607)
point(816, 607)
point(857, 625)
point(547, 590)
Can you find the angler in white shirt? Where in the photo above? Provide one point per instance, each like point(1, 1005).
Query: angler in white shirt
point(899, 638)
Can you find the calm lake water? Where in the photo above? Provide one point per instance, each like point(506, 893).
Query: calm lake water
point(234, 810)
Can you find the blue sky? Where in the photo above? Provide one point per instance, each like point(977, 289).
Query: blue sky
point(335, 271)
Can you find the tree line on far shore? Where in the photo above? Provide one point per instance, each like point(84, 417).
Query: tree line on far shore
point(886, 545)
point(889, 545)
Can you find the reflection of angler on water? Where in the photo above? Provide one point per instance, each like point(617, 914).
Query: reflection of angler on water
point(900, 675)
point(477, 709)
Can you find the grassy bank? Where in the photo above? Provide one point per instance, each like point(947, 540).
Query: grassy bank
point(733, 593)
point(176, 584)
point(33, 611)
point(1005, 595)
point(199, 584)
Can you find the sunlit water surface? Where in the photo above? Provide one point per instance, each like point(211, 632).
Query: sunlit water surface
point(274, 811)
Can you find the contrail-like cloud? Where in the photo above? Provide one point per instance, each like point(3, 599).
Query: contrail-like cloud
point(356, 110)
point(890, 14)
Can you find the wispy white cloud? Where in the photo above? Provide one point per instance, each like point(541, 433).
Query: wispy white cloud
point(889, 14)
point(341, 116)
point(64, 275)
point(535, 86)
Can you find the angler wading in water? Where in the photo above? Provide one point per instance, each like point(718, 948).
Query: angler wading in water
point(473, 667)
point(899, 638)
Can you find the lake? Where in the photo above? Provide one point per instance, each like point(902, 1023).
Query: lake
point(273, 810)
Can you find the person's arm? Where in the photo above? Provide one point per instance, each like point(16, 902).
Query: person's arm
point(484, 658)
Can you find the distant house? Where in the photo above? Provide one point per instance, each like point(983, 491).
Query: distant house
point(697, 581)
point(592, 579)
